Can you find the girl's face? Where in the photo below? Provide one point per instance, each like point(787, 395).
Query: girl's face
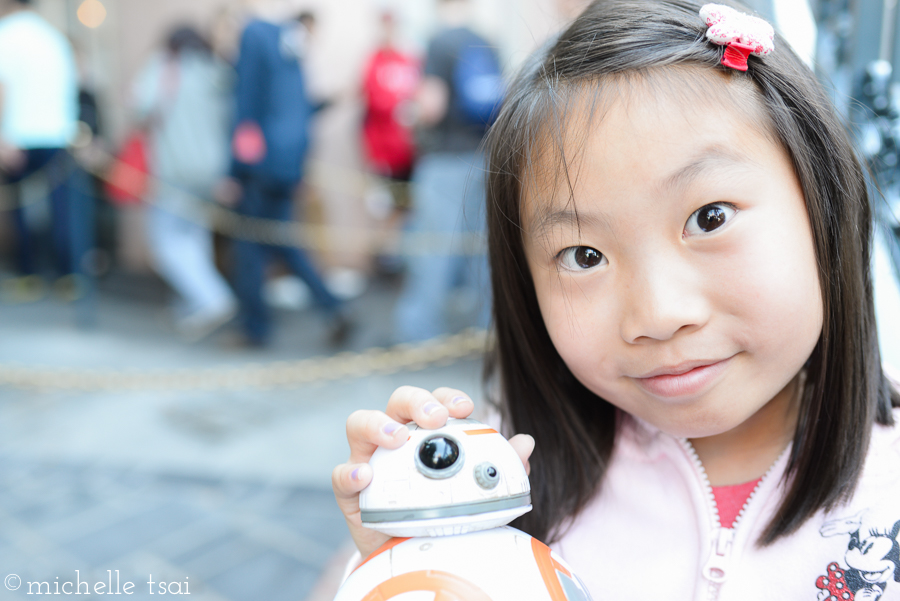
point(685, 292)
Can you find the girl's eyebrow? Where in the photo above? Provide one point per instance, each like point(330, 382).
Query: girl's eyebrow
point(568, 218)
point(712, 157)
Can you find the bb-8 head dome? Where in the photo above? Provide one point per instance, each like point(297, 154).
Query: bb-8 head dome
point(450, 489)
point(460, 478)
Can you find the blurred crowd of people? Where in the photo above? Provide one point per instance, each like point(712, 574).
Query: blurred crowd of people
point(226, 118)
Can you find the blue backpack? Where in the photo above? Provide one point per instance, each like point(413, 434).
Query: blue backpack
point(478, 84)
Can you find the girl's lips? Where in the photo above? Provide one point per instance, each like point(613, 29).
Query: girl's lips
point(686, 383)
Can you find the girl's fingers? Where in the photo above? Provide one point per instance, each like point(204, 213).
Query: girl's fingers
point(411, 404)
point(367, 430)
point(524, 445)
point(457, 402)
point(347, 480)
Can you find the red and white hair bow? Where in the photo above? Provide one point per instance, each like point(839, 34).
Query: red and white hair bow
point(741, 34)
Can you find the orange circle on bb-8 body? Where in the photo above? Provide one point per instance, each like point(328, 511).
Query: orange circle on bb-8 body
point(446, 586)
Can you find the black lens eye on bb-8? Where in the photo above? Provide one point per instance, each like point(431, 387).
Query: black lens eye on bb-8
point(439, 456)
point(487, 475)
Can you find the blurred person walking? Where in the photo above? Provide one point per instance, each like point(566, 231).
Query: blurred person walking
point(269, 146)
point(459, 93)
point(38, 121)
point(390, 80)
point(183, 98)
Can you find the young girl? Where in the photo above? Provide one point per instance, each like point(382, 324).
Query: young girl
point(683, 318)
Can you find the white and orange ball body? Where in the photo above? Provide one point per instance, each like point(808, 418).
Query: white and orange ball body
point(498, 564)
point(447, 495)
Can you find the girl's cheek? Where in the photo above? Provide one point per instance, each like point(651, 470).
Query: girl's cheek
point(574, 307)
point(770, 279)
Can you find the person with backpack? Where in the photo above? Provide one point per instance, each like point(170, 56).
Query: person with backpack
point(458, 96)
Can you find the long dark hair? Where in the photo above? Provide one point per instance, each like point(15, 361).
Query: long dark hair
point(845, 391)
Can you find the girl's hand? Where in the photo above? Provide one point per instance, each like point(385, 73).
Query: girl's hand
point(368, 430)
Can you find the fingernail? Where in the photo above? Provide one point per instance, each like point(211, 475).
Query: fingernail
point(430, 408)
point(390, 427)
point(457, 400)
point(354, 475)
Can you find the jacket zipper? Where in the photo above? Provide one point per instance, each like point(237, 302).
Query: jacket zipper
point(716, 568)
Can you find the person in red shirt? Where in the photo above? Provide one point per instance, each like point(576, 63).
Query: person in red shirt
point(389, 85)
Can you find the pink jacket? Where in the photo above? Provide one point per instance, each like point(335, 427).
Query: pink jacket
point(653, 532)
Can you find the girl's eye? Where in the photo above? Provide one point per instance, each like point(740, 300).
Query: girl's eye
point(580, 258)
point(708, 218)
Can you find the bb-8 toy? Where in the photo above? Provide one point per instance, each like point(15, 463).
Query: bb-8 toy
point(446, 496)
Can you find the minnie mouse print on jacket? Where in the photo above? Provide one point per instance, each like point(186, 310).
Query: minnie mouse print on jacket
point(870, 565)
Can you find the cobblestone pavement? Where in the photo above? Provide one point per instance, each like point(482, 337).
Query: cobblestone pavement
point(225, 495)
point(212, 538)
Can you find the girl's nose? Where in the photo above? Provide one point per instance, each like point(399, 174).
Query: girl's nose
point(662, 300)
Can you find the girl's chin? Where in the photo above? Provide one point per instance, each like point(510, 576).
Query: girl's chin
point(692, 424)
